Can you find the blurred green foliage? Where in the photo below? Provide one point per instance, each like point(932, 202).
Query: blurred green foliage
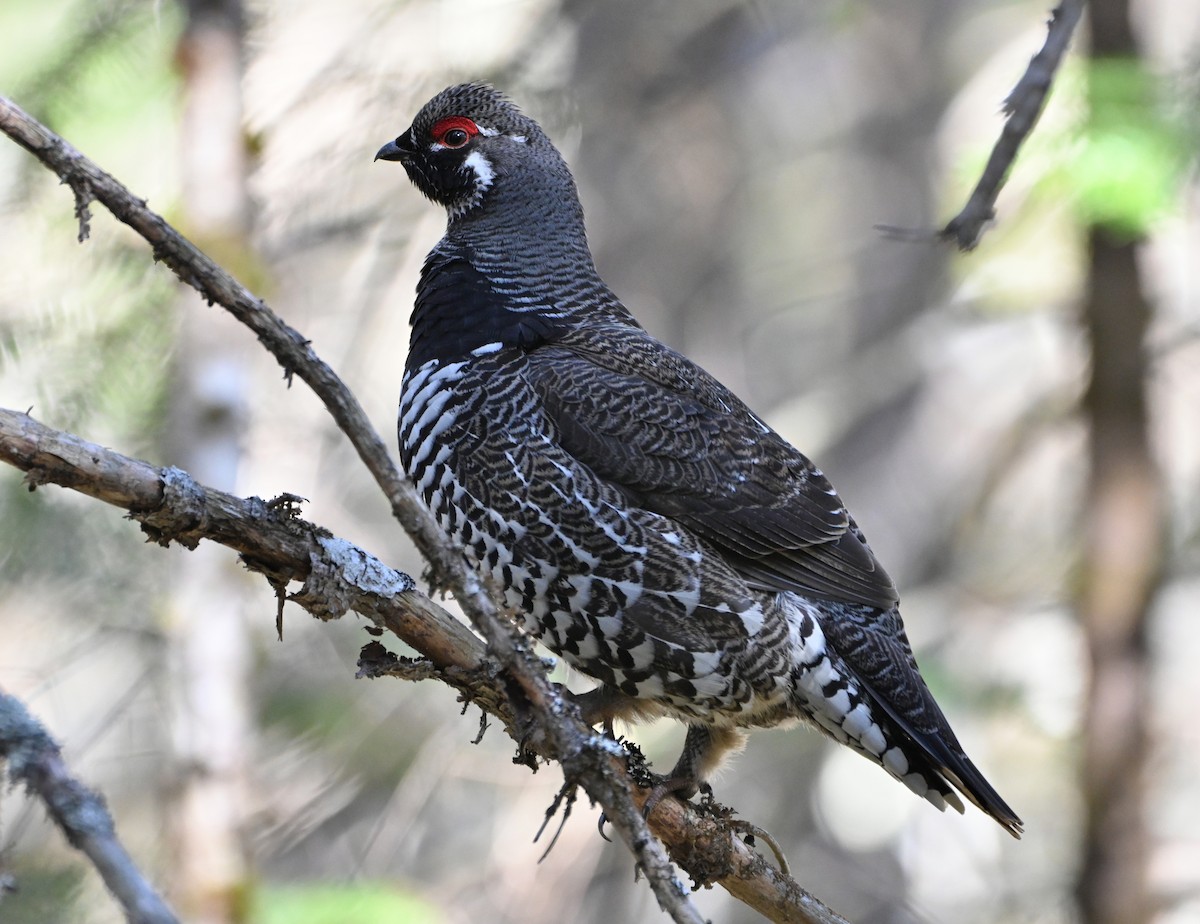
point(96, 72)
point(41, 888)
point(1128, 174)
point(1123, 162)
point(86, 331)
point(336, 904)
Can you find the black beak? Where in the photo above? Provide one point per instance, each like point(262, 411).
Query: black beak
point(393, 151)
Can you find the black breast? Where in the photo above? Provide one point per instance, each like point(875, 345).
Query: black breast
point(458, 310)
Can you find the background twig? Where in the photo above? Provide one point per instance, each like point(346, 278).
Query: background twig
point(35, 761)
point(1022, 108)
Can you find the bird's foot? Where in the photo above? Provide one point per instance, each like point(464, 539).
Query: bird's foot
point(682, 787)
point(566, 799)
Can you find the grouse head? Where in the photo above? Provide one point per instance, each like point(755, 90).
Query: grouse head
point(469, 141)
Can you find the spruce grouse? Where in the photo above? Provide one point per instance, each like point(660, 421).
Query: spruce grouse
point(643, 522)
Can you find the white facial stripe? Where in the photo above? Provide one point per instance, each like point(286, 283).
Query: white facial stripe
point(483, 170)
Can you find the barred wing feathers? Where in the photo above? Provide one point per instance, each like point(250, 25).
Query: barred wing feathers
point(677, 442)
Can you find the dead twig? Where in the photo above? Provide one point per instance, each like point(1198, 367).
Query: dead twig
point(1021, 108)
point(36, 762)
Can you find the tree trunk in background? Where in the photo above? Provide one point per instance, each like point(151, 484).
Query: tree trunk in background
point(1124, 535)
point(210, 648)
point(1122, 563)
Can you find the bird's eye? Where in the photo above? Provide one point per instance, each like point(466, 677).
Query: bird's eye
point(454, 132)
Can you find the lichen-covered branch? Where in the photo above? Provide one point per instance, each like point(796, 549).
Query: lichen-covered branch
point(336, 576)
point(35, 761)
point(269, 536)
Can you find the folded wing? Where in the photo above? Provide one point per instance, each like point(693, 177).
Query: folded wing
point(677, 442)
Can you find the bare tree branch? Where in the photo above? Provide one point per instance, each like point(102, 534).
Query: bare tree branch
point(1022, 108)
point(35, 761)
point(269, 537)
point(549, 726)
point(337, 576)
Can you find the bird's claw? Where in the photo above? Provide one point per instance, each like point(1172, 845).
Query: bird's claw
point(681, 786)
point(753, 832)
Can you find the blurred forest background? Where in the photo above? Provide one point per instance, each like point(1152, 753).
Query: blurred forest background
point(1039, 511)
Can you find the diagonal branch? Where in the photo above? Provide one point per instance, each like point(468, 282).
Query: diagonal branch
point(337, 576)
point(1022, 108)
point(35, 761)
point(586, 758)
